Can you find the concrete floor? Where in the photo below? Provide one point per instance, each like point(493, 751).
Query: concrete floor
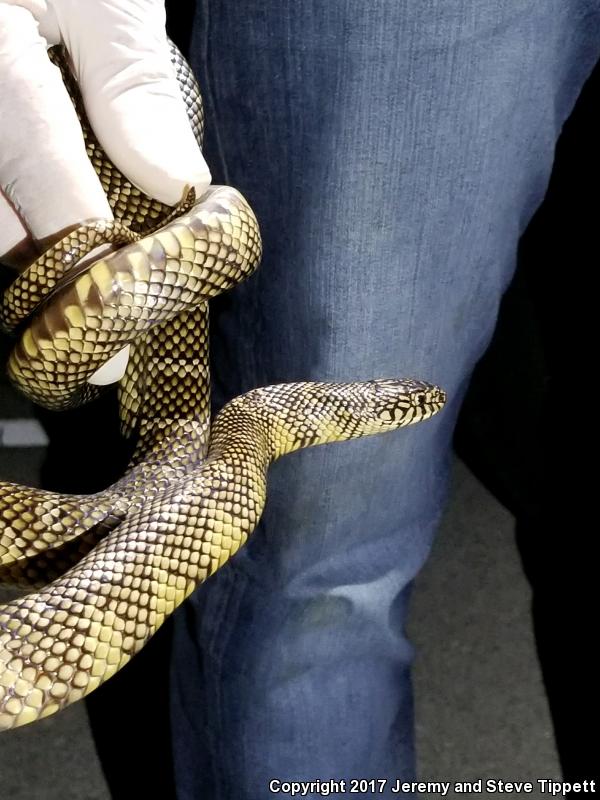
point(481, 709)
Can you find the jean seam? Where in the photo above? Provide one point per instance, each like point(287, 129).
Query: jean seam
point(231, 604)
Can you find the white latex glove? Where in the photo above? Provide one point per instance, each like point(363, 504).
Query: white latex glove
point(120, 57)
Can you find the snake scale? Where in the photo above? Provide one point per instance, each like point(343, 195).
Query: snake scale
point(103, 572)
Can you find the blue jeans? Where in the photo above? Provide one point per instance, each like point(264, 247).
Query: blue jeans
point(394, 153)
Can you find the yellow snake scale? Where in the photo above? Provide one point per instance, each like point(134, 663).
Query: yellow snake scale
point(103, 572)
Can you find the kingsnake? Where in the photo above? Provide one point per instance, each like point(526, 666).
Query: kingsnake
point(107, 569)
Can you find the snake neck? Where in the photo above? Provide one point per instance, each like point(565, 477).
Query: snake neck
point(239, 434)
point(272, 421)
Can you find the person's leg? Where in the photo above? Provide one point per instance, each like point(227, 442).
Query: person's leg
point(533, 463)
point(393, 152)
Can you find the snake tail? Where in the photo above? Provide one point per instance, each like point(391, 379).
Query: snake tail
point(33, 520)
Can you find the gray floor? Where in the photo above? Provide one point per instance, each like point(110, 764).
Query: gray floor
point(481, 708)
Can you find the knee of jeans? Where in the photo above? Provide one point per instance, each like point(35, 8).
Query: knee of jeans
point(350, 512)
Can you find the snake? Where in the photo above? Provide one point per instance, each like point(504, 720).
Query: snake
point(100, 573)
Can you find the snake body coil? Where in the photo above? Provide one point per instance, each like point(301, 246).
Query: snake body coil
point(111, 567)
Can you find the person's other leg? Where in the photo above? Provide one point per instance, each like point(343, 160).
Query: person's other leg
point(394, 152)
point(533, 462)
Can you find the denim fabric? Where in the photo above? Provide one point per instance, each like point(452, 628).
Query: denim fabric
point(394, 152)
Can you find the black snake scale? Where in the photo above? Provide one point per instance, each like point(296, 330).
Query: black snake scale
point(111, 567)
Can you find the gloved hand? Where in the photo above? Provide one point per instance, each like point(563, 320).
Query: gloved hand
point(120, 57)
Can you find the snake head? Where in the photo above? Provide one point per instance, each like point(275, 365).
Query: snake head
point(391, 404)
point(289, 416)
